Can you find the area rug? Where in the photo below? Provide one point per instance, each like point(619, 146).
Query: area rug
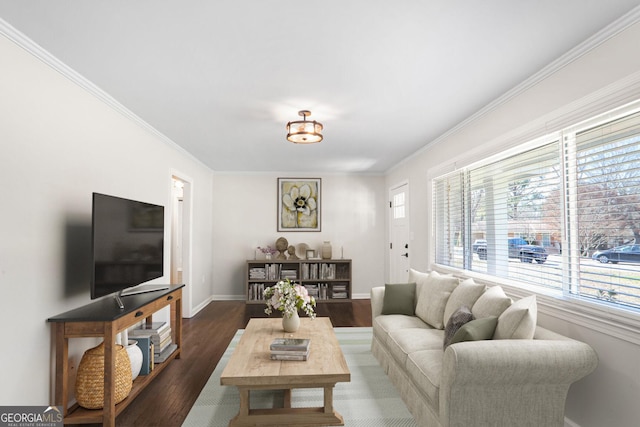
point(369, 400)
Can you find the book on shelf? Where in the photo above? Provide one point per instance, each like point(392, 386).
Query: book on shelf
point(157, 327)
point(272, 271)
point(164, 344)
point(157, 331)
point(256, 291)
point(317, 290)
point(147, 354)
point(309, 271)
point(290, 344)
point(328, 271)
point(159, 358)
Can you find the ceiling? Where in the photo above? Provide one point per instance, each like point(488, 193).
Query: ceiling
point(222, 78)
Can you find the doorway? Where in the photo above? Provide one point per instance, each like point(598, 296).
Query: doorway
point(181, 203)
point(399, 233)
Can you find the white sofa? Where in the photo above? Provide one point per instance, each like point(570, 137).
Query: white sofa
point(516, 374)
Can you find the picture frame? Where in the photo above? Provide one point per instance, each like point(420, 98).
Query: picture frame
point(311, 254)
point(299, 204)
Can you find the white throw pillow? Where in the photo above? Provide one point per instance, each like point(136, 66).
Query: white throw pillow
point(419, 278)
point(466, 293)
point(518, 321)
point(433, 298)
point(493, 302)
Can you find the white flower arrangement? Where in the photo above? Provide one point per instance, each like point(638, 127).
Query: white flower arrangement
point(288, 298)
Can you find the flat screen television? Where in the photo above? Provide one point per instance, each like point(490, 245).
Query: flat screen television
point(127, 245)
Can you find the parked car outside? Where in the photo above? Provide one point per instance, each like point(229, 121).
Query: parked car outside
point(520, 249)
point(477, 243)
point(625, 253)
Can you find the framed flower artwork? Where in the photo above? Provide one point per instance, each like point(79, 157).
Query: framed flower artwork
point(299, 202)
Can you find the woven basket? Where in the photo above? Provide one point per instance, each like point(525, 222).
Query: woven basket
point(90, 377)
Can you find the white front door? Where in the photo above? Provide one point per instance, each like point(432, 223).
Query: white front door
point(399, 234)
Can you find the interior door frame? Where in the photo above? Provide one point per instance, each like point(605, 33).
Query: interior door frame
point(187, 237)
point(391, 232)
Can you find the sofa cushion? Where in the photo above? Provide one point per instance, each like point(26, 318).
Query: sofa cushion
point(399, 299)
point(403, 342)
point(424, 367)
point(456, 321)
point(433, 297)
point(476, 330)
point(493, 302)
point(519, 320)
point(383, 325)
point(466, 293)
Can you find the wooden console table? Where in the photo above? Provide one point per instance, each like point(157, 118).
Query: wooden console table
point(104, 319)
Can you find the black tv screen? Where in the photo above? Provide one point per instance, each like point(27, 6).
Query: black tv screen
point(127, 243)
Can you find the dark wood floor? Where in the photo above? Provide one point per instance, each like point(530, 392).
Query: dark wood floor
point(168, 399)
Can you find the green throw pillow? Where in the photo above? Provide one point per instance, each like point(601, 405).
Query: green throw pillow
point(476, 330)
point(399, 298)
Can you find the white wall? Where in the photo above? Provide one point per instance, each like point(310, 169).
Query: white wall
point(245, 212)
point(58, 144)
point(604, 77)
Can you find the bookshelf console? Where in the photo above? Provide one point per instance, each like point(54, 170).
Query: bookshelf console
point(328, 280)
point(104, 319)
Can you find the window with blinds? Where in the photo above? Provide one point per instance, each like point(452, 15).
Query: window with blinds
point(607, 220)
point(564, 214)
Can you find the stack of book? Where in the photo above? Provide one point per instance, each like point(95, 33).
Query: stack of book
point(289, 274)
point(339, 291)
point(257, 273)
point(290, 349)
point(160, 336)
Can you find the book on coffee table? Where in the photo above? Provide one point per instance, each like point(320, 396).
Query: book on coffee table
point(290, 344)
point(289, 355)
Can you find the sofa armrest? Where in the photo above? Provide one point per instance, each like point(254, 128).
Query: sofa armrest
point(377, 297)
point(503, 379)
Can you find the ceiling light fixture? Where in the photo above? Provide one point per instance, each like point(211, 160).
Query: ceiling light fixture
point(303, 131)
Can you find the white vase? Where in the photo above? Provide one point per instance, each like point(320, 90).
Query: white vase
point(291, 324)
point(135, 357)
point(326, 250)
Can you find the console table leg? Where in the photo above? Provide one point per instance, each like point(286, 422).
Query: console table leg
point(109, 409)
point(62, 367)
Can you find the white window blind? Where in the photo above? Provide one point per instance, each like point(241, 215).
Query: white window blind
point(449, 226)
point(517, 214)
point(608, 211)
point(539, 216)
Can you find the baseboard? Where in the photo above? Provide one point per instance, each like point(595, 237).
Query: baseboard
point(203, 304)
point(361, 296)
point(228, 297)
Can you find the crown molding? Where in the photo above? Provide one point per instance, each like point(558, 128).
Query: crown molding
point(611, 30)
point(24, 42)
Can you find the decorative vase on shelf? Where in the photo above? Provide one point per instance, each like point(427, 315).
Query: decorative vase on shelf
point(291, 324)
point(135, 357)
point(326, 250)
point(267, 255)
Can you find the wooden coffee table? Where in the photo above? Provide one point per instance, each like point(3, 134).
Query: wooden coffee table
point(250, 368)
